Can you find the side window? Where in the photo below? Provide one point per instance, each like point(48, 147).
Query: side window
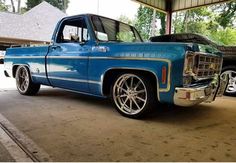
point(74, 30)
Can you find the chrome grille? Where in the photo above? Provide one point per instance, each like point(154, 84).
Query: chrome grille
point(207, 66)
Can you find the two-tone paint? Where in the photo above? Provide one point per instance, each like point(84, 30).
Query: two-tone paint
point(83, 68)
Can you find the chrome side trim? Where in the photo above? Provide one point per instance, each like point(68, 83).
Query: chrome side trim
point(115, 58)
point(39, 76)
point(117, 68)
point(25, 57)
point(69, 79)
point(133, 58)
point(145, 59)
point(127, 58)
point(68, 57)
point(84, 93)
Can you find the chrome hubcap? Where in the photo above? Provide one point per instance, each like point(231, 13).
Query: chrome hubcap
point(232, 81)
point(130, 94)
point(22, 79)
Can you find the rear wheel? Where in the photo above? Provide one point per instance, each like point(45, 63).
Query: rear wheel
point(133, 95)
point(231, 72)
point(24, 83)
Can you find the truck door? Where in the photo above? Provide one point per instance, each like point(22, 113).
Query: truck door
point(67, 60)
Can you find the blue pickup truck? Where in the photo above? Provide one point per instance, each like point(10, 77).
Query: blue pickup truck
point(98, 56)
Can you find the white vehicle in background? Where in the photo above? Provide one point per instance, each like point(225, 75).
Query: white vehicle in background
point(2, 54)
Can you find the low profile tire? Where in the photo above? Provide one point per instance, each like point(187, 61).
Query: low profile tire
point(24, 83)
point(231, 71)
point(133, 95)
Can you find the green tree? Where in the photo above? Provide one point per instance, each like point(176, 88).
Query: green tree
point(162, 17)
point(192, 21)
point(216, 22)
point(227, 14)
point(61, 4)
point(126, 20)
point(144, 21)
point(225, 36)
point(3, 7)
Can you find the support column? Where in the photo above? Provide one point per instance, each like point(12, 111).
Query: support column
point(168, 22)
point(168, 16)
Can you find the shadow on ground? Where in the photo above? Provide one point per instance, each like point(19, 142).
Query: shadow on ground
point(162, 113)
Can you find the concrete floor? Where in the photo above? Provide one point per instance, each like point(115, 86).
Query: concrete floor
point(73, 127)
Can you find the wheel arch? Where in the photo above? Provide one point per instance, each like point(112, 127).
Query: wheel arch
point(15, 66)
point(228, 62)
point(108, 78)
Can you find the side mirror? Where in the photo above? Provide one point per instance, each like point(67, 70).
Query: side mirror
point(51, 42)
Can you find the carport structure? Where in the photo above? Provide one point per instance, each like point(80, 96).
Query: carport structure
point(170, 6)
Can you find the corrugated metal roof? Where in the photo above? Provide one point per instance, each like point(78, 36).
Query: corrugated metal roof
point(177, 5)
point(37, 24)
point(187, 4)
point(157, 4)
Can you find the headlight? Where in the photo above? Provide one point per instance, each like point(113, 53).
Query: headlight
point(189, 64)
point(190, 67)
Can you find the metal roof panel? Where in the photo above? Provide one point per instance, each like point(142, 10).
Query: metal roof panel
point(178, 5)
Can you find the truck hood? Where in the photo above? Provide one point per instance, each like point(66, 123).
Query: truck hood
point(185, 38)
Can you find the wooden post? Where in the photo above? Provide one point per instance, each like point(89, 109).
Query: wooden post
point(168, 16)
point(168, 22)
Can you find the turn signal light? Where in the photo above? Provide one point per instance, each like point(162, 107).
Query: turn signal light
point(163, 78)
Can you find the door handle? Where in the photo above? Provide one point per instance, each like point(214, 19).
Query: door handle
point(54, 47)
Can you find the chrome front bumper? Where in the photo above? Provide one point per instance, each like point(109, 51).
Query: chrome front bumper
point(195, 95)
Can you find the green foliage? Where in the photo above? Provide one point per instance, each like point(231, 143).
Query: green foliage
point(162, 17)
point(192, 21)
point(144, 21)
point(3, 7)
point(227, 14)
point(216, 22)
point(125, 36)
point(224, 36)
point(126, 20)
point(61, 4)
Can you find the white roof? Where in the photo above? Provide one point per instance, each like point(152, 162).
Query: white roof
point(36, 24)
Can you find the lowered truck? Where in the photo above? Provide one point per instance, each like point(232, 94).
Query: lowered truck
point(98, 56)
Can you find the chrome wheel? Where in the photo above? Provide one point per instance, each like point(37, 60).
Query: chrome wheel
point(232, 81)
point(130, 94)
point(22, 79)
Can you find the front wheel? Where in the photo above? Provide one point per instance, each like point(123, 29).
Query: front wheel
point(133, 95)
point(24, 83)
point(231, 72)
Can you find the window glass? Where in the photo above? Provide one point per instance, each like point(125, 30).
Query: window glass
point(207, 49)
point(74, 30)
point(112, 30)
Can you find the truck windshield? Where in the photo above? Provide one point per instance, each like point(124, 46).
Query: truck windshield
point(208, 49)
point(111, 30)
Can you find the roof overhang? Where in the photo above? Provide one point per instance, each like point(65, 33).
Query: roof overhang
point(177, 5)
point(8, 42)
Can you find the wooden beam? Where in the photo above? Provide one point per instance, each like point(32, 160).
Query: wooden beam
point(168, 16)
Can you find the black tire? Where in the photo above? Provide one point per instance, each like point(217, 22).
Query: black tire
point(140, 96)
point(230, 90)
point(24, 82)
